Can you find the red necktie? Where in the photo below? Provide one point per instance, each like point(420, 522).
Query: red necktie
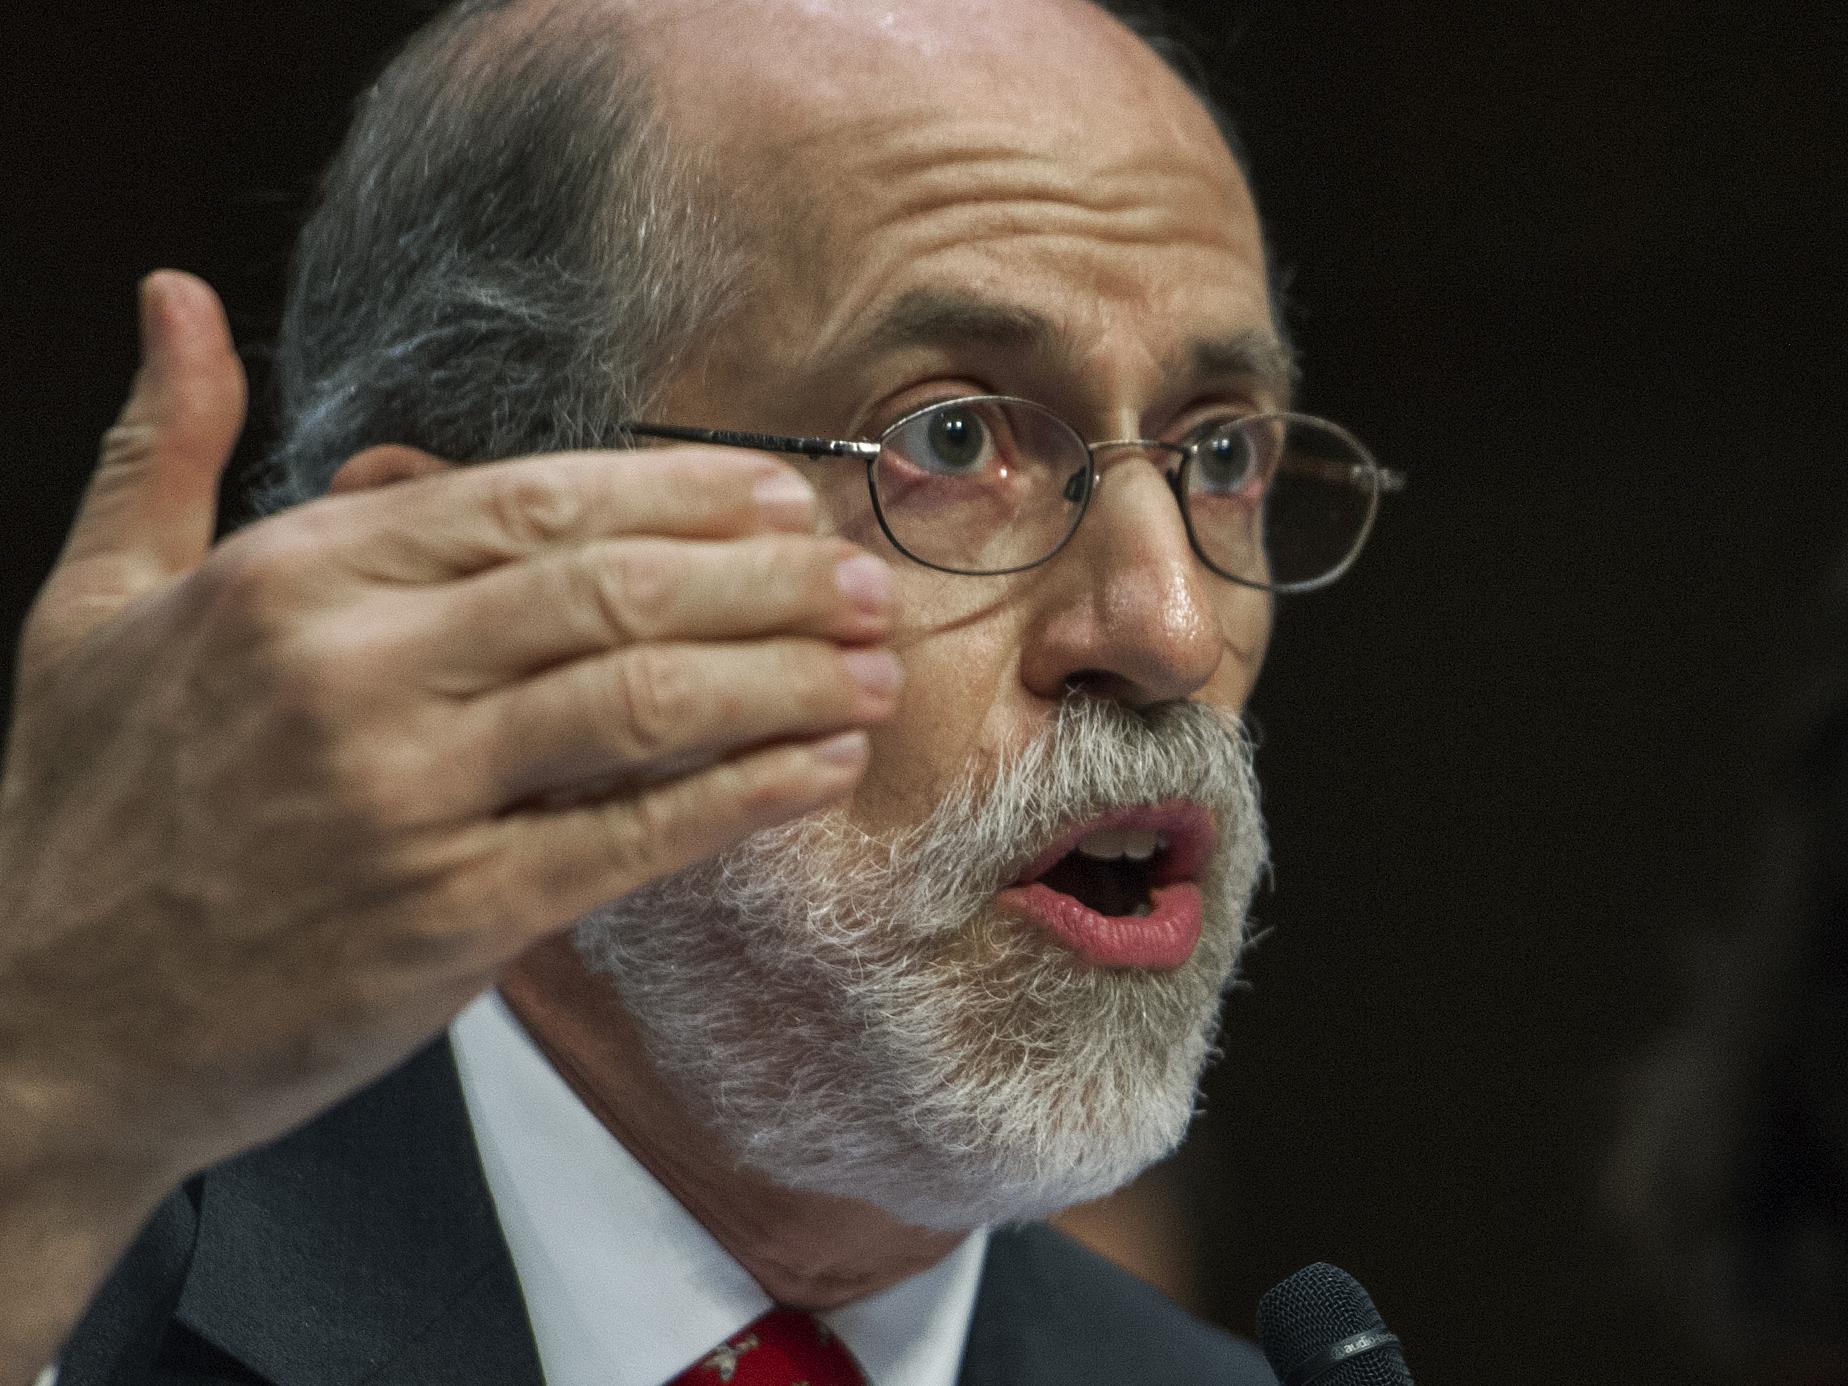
point(786, 1347)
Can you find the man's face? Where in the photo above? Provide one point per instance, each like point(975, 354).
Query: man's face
point(945, 208)
point(1025, 157)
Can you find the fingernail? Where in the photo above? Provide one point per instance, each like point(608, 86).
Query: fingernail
point(876, 671)
point(866, 581)
point(785, 499)
point(849, 748)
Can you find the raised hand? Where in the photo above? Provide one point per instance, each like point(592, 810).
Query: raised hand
point(274, 811)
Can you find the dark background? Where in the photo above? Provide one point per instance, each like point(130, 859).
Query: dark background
point(1577, 272)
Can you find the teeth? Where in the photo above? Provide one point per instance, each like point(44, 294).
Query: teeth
point(1140, 846)
point(1113, 844)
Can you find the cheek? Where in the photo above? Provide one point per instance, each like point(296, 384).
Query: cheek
point(846, 503)
point(1244, 618)
point(963, 702)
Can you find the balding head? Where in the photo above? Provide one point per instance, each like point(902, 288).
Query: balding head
point(817, 218)
point(795, 100)
point(511, 216)
point(962, 198)
point(507, 253)
point(780, 61)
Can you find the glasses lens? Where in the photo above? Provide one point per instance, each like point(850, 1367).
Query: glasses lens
point(1280, 500)
point(984, 485)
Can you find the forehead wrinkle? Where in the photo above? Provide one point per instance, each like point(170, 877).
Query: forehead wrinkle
point(936, 188)
point(872, 169)
point(957, 320)
point(839, 319)
point(1037, 209)
point(951, 208)
point(954, 319)
point(929, 317)
point(916, 149)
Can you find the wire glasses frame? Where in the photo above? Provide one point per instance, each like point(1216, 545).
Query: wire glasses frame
point(986, 485)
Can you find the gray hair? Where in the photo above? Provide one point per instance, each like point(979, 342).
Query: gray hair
point(510, 254)
point(507, 257)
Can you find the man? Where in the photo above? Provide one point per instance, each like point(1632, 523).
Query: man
point(896, 789)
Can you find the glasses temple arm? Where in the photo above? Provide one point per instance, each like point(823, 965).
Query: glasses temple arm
point(1353, 473)
point(763, 442)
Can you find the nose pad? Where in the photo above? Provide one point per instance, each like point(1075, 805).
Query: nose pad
point(1078, 485)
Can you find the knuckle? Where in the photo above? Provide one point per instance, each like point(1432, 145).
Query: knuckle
point(393, 786)
point(314, 693)
point(250, 579)
point(654, 701)
point(634, 841)
point(630, 590)
point(640, 835)
point(127, 441)
point(375, 787)
point(536, 505)
point(44, 629)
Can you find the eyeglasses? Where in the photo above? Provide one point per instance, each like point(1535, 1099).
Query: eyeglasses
point(990, 484)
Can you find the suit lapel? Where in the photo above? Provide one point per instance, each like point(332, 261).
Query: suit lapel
point(363, 1248)
point(1015, 1335)
point(1049, 1313)
point(123, 1326)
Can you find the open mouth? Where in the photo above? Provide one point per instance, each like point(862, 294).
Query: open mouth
point(1119, 890)
point(1111, 871)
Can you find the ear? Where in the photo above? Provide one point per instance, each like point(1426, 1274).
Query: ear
point(384, 466)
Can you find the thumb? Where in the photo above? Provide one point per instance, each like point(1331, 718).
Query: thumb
point(152, 503)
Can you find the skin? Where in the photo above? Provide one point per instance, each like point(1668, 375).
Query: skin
point(1121, 220)
point(352, 762)
point(400, 737)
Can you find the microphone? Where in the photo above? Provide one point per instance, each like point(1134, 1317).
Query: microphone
point(1319, 1326)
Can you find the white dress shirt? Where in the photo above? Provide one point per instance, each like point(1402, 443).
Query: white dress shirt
point(623, 1286)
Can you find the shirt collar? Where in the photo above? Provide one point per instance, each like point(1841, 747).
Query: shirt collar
point(623, 1286)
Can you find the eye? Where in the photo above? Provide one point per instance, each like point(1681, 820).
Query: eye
point(949, 440)
point(958, 439)
point(1226, 457)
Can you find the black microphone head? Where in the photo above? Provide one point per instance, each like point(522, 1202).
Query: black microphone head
point(1320, 1326)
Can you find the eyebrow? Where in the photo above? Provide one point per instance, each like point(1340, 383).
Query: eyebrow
point(932, 317)
point(1255, 352)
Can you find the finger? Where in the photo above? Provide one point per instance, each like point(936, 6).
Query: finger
point(153, 500)
point(561, 863)
point(630, 716)
point(473, 518)
point(570, 603)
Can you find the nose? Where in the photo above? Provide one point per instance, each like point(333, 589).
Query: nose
point(1128, 611)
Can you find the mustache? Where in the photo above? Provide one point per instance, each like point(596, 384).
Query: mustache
point(930, 880)
point(1095, 756)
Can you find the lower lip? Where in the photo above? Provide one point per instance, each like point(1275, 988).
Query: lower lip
point(1161, 940)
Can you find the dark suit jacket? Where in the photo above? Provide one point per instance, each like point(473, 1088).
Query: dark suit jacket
point(364, 1249)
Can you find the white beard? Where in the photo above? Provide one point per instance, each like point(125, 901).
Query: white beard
point(850, 1016)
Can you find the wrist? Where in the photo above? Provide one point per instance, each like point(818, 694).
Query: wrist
point(68, 1211)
